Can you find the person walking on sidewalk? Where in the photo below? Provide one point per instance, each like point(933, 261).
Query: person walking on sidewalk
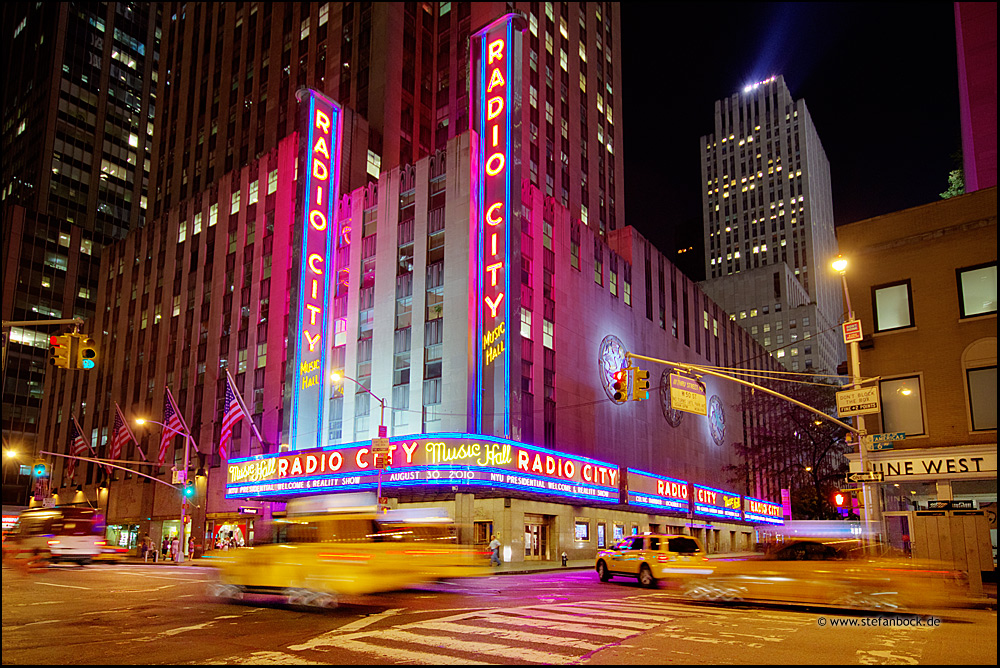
point(495, 551)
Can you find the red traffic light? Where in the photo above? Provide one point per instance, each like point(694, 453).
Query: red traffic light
point(53, 340)
point(838, 499)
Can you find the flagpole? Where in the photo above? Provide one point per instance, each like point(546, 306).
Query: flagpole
point(243, 407)
point(130, 432)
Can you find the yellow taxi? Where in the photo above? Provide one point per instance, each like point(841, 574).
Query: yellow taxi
point(345, 552)
point(653, 557)
point(833, 572)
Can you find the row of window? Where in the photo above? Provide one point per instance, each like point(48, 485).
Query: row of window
point(977, 295)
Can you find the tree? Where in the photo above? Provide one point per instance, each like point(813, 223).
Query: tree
point(788, 447)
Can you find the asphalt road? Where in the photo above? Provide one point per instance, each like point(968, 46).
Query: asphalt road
point(128, 614)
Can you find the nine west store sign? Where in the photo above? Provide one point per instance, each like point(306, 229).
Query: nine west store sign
point(963, 462)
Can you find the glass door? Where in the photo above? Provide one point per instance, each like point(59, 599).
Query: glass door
point(535, 542)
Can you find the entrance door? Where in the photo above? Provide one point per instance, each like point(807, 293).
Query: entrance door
point(536, 541)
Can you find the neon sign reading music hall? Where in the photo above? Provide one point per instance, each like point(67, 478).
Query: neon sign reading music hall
point(309, 321)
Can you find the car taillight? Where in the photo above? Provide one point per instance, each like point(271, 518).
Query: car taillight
point(663, 557)
point(100, 543)
point(53, 542)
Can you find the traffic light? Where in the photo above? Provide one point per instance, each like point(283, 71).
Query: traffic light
point(59, 350)
point(188, 489)
point(838, 499)
point(382, 461)
point(640, 384)
point(40, 469)
point(620, 386)
point(86, 356)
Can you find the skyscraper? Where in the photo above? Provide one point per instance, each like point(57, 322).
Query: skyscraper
point(766, 200)
point(79, 102)
point(231, 71)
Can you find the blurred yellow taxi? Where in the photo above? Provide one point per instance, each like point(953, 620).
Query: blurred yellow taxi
point(349, 551)
point(653, 557)
point(832, 572)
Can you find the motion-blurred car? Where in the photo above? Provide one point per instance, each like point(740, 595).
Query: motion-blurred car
point(112, 554)
point(838, 573)
point(322, 556)
point(653, 557)
point(56, 534)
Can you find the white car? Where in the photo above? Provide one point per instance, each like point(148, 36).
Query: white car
point(56, 534)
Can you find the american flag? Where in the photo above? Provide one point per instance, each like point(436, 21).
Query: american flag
point(232, 412)
point(77, 445)
point(172, 419)
point(121, 434)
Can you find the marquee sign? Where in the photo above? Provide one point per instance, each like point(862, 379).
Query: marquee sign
point(765, 512)
point(716, 503)
point(660, 492)
point(431, 459)
point(496, 185)
point(312, 268)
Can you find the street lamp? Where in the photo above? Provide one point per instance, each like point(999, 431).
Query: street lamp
point(187, 459)
point(840, 266)
point(337, 377)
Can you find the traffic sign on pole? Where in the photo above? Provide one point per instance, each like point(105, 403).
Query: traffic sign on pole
point(869, 476)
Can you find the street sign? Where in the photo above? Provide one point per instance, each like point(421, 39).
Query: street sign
point(380, 445)
point(870, 476)
point(876, 442)
point(852, 331)
point(849, 489)
point(687, 394)
point(179, 477)
point(861, 401)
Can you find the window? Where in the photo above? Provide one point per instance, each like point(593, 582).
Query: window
point(525, 323)
point(983, 397)
point(548, 329)
point(902, 407)
point(893, 306)
point(977, 290)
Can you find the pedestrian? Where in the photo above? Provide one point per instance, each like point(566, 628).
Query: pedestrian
point(175, 548)
point(144, 548)
point(495, 551)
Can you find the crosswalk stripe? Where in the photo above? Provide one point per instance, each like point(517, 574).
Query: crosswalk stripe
point(615, 613)
point(539, 611)
point(510, 635)
point(476, 648)
point(406, 655)
point(535, 622)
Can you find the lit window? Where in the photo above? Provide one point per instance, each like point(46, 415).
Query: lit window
point(213, 215)
point(893, 306)
point(548, 330)
point(197, 224)
point(252, 198)
point(977, 290)
point(235, 206)
point(182, 232)
point(983, 397)
point(272, 181)
point(902, 409)
point(525, 323)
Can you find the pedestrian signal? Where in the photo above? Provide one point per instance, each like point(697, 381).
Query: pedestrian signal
point(640, 384)
point(40, 469)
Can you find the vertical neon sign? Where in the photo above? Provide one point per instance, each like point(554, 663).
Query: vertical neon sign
point(312, 268)
point(495, 118)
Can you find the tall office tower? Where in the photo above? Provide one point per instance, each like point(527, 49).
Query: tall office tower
point(766, 200)
point(231, 71)
point(77, 125)
point(976, 35)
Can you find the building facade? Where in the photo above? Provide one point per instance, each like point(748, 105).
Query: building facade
point(406, 338)
point(79, 107)
point(923, 283)
point(767, 200)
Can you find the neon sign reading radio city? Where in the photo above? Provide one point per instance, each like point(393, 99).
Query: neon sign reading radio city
point(495, 167)
point(309, 321)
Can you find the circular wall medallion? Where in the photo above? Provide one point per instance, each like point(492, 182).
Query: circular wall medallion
point(610, 359)
point(717, 419)
point(671, 415)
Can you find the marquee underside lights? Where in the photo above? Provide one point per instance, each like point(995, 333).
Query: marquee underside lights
point(494, 119)
point(431, 459)
point(312, 267)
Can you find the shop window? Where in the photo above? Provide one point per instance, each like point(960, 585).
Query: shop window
point(902, 406)
point(602, 535)
point(893, 306)
point(582, 530)
point(977, 290)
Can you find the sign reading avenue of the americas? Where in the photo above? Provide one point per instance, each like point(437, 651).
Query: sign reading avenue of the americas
point(861, 401)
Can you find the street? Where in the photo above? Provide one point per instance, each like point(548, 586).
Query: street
point(131, 613)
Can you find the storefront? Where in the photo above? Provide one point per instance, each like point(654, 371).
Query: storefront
point(123, 536)
point(538, 502)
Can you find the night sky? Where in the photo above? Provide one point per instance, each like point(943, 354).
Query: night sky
point(880, 82)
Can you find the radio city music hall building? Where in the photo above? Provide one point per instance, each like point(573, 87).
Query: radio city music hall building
point(486, 317)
